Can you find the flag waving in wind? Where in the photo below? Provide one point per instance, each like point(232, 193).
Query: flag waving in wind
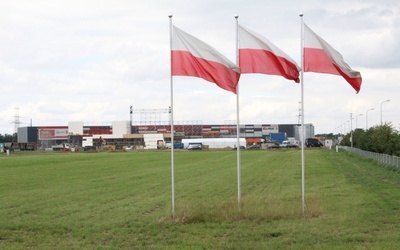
point(320, 57)
point(258, 55)
point(192, 57)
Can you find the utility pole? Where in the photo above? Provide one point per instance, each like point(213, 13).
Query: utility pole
point(17, 121)
point(130, 112)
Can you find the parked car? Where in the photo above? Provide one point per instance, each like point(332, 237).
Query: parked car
point(194, 147)
point(288, 144)
point(313, 142)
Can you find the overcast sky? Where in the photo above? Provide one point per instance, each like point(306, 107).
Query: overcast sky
point(89, 61)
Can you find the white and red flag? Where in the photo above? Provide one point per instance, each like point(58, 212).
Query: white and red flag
point(258, 55)
point(320, 57)
point(192, 57)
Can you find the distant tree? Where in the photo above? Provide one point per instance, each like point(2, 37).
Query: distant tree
point(329, 136)
point(379, 139)
point(381, 136)
point(8, 137)
point(345, 140)
point(326, 136)
point(368, 141)
point(395, 141)
point(357, 137)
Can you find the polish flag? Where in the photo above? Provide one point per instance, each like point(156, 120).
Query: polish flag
point(192, 57)
point(320, 57)
point(258, 55)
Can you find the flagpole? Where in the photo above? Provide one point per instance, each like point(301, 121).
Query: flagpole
point(303, 184)
point(172, 124)
point(237, 118)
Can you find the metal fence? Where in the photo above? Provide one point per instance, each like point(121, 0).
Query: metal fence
point(384, 159)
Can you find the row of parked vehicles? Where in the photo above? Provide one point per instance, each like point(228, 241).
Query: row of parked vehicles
point(309, 142)
point(273, 145)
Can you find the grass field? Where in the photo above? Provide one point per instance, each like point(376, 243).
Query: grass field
point(123, 201)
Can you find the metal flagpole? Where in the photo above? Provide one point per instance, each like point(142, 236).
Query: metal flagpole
point(237, 117)
point(303, 184)
point(172, 124)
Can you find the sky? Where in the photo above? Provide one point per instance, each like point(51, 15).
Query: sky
point(90, 60)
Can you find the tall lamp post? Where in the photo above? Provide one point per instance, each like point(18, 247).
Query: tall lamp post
point(366, 119)
point(351, 129)
point(356, 119)
point(381, 109)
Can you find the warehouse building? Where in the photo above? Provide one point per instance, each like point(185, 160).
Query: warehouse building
point(122, 134)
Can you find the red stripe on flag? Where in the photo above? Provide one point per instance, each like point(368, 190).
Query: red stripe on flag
point(316, 60)
point(355, 82)
point(185, 64)
point(266, 62)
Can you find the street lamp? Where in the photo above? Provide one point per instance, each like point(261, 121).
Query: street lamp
point(381, 109)
point(356, 120)
point(366, 119)
point(351, 129)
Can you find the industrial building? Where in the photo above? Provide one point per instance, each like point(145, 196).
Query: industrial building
point(121, 134)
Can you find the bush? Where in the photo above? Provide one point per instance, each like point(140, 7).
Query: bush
point(379, 139)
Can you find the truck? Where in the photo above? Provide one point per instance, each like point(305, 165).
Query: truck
point(278, 137)
point(179, 145)
point(61, 147)
point(161, 144)
point(254, 143)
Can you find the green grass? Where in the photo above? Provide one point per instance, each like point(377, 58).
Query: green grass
point(123, 201)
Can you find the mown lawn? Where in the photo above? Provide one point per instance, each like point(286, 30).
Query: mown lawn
point(123, 201)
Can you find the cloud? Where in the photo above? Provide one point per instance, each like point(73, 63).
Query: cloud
point(91, 60)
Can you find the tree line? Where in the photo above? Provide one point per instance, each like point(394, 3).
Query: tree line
point(384, 139)
point(8, 138)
